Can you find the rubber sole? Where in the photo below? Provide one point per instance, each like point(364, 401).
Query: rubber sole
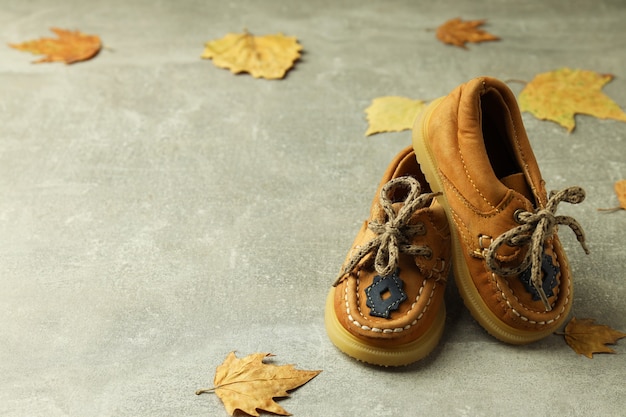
point(384, 356)
point(471, 297)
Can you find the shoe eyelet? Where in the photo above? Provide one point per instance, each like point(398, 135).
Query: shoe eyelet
point(484, 241)
point(429, 256)
point(517, 216)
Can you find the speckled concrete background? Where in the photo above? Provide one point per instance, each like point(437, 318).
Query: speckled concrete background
point(157, 212)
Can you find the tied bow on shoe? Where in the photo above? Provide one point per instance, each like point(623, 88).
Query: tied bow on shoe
point(393, 237)
point(536, 228)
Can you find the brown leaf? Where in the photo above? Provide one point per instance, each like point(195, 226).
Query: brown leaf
point(587, 338)
point(392, 114)
point(248, 384)
point(458, 32)
point(269, 56)
point(69, 47)
point(560, 94)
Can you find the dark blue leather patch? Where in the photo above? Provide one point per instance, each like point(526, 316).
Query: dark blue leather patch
point(550, 272)
point(385, 295)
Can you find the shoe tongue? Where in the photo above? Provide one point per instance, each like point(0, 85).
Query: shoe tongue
point(397, 206)
point(518, 183)
point(396, 209)
point(380, 215)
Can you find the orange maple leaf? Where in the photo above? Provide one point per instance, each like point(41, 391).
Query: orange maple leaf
point(248, 384)
point(69, 47)
point(561, 94)
point(620, 190)
point(458, 32)
point(269, 56)
point(587, 338)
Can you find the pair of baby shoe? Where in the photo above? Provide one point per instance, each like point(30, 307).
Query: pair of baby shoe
point(475, 201)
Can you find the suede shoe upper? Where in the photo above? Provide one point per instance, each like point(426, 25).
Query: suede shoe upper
point(474, 145)
point(389, 292)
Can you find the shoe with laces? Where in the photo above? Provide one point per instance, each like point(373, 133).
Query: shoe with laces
point(386, 306)
point(509, 264)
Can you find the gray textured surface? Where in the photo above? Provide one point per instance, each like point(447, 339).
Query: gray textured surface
point(157, 212)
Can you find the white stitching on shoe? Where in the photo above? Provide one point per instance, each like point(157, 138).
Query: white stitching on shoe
point(535, 227)
point(524, 318)
point(466, 202)
point(397, 329)
point(471, 180)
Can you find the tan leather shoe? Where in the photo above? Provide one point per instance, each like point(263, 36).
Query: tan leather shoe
point(386, 306)
point(509, 265)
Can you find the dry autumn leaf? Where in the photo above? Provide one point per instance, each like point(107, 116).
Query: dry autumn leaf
point(392, 114)
point(587, 338)
point(560, 94)
point(620, 190)
point(69, 47)
point(269, 56)
point(248, 384)
point(458, 32)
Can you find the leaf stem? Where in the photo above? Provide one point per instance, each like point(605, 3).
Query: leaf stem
point(205, 391)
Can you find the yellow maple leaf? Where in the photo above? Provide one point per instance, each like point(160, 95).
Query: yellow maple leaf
point(69, 47)
point(458, 32)
point(560, 94)
point(392, 114)
point(587, 338)
point(269, 56)
point(248, 384)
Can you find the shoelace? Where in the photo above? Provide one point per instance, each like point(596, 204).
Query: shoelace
point(393, 237)
point(536, 228)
